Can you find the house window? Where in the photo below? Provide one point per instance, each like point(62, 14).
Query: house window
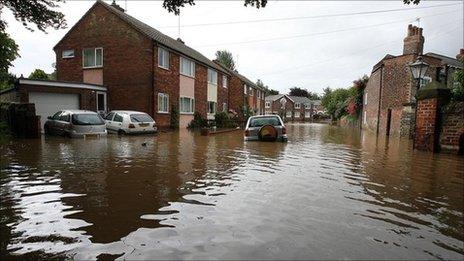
point(268, 105)
point(187, 105)
point(424, 81)
point(211, 107)
point(163, 102)
point(365, 117)
point(289, 114)
point(67, 54)
point(244, 89)
point(93, 57)
point(224, 81)
point(224, 107)
point(441, 75)
point(297, 105)
point(212, 76)
point(187, 67)
point(365, 98)
point(163, 58)
point(251, 92)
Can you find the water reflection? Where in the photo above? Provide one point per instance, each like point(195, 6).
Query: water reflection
point(329, 193)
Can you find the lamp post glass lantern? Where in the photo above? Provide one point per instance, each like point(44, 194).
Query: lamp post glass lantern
point(418, 68)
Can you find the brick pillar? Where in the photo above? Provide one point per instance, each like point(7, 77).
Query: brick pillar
point(427, 129)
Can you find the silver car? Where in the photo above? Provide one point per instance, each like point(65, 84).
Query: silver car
point(265, 128)
point(75, 124)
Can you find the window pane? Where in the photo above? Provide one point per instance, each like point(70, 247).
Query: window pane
point(117, 118)
point(89, 57)
point(99, 59)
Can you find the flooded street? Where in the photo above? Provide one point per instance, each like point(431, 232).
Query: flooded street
point(329, 193)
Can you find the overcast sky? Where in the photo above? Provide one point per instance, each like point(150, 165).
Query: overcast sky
point(308, 53)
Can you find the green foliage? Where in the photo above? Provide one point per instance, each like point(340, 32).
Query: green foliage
point(223, 120)
point(198, 122)
point(8, 53)
point(247, 112)
point(37, 12)
point(297, 91)
point(335, 101)
point(39, 74)
point(174, 123)
point(266, 89)
point(7, 80)
point(458, 88)
point(226, 58)
point(416, 2)
point(175, 5)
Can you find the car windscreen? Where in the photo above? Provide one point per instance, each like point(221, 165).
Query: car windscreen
point(261, 121)
point(142, 117)
point(87, 119)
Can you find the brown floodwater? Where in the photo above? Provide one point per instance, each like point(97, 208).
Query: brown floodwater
point(329, 193)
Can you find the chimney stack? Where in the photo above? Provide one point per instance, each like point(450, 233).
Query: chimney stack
point(414, 41)
point(113, 4)
point(460, 55)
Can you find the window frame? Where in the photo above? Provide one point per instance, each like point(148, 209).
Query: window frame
point(267, 104)
point(297, 105)
point(95, 58)
point(192, 67)
point(225, 81)
point(225, 107)
point(67, 57)
point(192, 105)
point(245, 89)
point(214, 107)
point(213, 72)
point(163, 95)
point(166, 54)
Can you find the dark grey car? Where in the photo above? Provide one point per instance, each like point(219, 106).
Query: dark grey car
point(76, 124)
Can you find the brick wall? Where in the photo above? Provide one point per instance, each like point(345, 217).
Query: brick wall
point(236, 95)
point(452, 127)
point(426, 121)
point(128, 59)
point(201, 89)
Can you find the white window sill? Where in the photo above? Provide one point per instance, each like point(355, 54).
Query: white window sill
point(212, 83)
point(164, 68)
point(190, 76)
point(163, 112)
point(69, 57)
point(93, 67)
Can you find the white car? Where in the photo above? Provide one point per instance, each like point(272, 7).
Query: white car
point(130, 122)
point(265, 128)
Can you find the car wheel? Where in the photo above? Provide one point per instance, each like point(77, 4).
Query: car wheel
point(121, 132)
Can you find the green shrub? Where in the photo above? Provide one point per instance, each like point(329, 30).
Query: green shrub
point(198, 122)
point(174, 124)
point(223, 120)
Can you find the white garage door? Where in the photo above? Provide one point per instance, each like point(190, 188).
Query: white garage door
point(46, 104)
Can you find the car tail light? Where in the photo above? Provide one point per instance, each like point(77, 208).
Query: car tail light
point(131, 126)
point(247, 132)
point(284, 130)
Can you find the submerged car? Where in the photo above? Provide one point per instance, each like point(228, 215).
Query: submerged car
point(265, 128)
point(130, 122)
point(75, 124)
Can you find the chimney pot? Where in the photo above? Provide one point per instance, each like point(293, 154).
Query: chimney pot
point(414, 41)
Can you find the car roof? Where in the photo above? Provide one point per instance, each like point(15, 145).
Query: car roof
point(265, 116)
point(79, 111)
point(128, 112)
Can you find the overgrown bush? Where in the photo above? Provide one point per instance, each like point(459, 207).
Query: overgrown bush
point(223, 120)
point(174, 124)
point(198, 122)
point(458, 88)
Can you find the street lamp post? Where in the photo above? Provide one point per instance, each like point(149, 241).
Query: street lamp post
point(418, 69)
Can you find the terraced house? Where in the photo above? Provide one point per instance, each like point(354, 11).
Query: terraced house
point(292, 107)
point(141, 68)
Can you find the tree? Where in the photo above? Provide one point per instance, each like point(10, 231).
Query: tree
point(175, 5)
point(7, 81)
point(335, 101)
point(8, 53)
point(297, 91)
point(38, 74)
point(37, 12)
point(226, 58)
point(266, 89)
point(458, 88)
point(313, 96)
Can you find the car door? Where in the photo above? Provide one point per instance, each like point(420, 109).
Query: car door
point(62, 125)
point(117, 121)
point(52, 123)
point(109, 121)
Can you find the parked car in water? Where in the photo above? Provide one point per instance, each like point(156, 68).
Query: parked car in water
point(75, 124)
point(265, 128)
point(130, 122)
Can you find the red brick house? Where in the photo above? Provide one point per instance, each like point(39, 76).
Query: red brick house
point(141, 68)
point(389, 97)
point(244, 95)
point(296, 108)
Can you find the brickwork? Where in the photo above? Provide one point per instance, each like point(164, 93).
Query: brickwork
point(452, 127)
point(426, 123)
point(128, 58)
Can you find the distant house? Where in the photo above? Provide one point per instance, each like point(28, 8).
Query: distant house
point(293, 108)
point(141, 68)
point(389, 96)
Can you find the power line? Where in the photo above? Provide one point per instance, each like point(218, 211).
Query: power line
point(318, 33)
point(311, 17)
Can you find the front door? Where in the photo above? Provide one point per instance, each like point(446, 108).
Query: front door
point(101, 102)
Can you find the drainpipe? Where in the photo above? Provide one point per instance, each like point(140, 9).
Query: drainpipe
point(380, 99)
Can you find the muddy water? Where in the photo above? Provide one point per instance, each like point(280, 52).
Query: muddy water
point(328, 193)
